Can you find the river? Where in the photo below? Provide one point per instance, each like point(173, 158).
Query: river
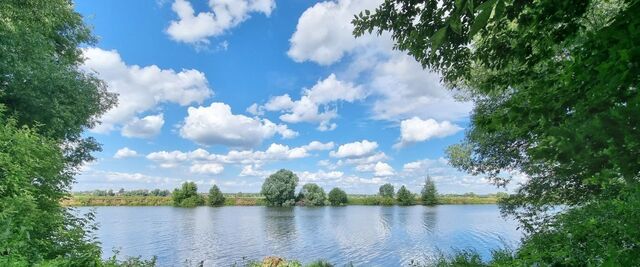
point(362, 235)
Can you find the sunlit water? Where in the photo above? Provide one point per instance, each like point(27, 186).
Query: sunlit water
point(362, 235)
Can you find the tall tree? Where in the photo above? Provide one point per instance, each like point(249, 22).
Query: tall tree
point(429, 194)
point(215, 197)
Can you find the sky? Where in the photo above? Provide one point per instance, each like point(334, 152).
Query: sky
point(227, 92)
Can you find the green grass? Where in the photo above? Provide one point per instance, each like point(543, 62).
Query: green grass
point(244, 199)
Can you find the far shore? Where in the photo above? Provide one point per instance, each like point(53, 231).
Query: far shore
point(78, 200)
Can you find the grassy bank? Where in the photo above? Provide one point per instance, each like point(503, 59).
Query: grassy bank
point(257, 200)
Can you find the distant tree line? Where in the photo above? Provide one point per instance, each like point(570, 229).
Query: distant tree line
point(137, 192)
point(279, 189)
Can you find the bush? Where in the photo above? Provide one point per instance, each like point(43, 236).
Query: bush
point(429, 192)
point(405, 197)
point(312, 195)
point(386, 190)
point(601, 233)
point(187, 196)
point(279, 188)
point(215, 197)
point(337, 197)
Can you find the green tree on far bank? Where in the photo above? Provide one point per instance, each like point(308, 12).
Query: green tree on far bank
point(187, 196)
point(405, 197)
point(386, 191)
point(279, 188)
point(429, 194)
point(215, 197)
point(337, 197)
point(312, 195)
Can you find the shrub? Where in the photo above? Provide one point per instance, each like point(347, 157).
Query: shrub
point(405, 197)
point(215, 197)
point(429, 192)
point(312, 195)
point(279, 188)
point(337, 197)
point(187, 196)
point(386, 190)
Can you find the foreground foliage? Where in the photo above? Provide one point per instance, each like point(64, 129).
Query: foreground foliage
point(555, 87)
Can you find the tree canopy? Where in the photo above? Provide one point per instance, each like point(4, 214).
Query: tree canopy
point(46, 103)
point(429, 194)
point(386, 190)
point(187, 196)
point(215, 197)
point(312, 195)
point(555, 88)
point(404, 196)
point(279, 188)
point(337, 197)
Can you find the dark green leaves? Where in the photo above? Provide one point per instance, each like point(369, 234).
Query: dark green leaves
point(481, 20)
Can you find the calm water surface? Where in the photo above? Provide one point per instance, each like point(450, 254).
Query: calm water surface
point(363, 235)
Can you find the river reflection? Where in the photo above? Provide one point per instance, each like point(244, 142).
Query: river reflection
point(362, 235)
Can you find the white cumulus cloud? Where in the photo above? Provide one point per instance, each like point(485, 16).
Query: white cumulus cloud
point(207, 168)
point(146, 127)
point(195, 28)
point(317, 104)
point(125, 152)
point(142, 89)
point(356, 149)
point(382, 169)
point(417, 130)
point(216, 124)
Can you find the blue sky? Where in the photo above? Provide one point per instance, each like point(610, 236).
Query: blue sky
point(226, 92)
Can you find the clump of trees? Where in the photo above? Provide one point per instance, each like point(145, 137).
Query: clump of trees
point(279, 188)
point(312, 195)
point(386, 192)
point(405, 197)
point(187, 196)
point(429, 194)
point(138, 192)
point(215, 197)
point(555, 92)
point(337, 197)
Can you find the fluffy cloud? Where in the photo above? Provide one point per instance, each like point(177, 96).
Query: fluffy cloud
point(316, 105)
point(398, 84)
point(207, 168)
point(356, 149)
point(405, 89)
point(125, 152)
point(382, 169)
point(204, 162)
point(324, 32)
point(146, 127)
point(142, 89)
point(417, 130)
point(195, 28)
point(216, 124)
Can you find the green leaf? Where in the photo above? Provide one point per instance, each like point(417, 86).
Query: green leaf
point(438, 38)
point(481, 20)
point(499, 10)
